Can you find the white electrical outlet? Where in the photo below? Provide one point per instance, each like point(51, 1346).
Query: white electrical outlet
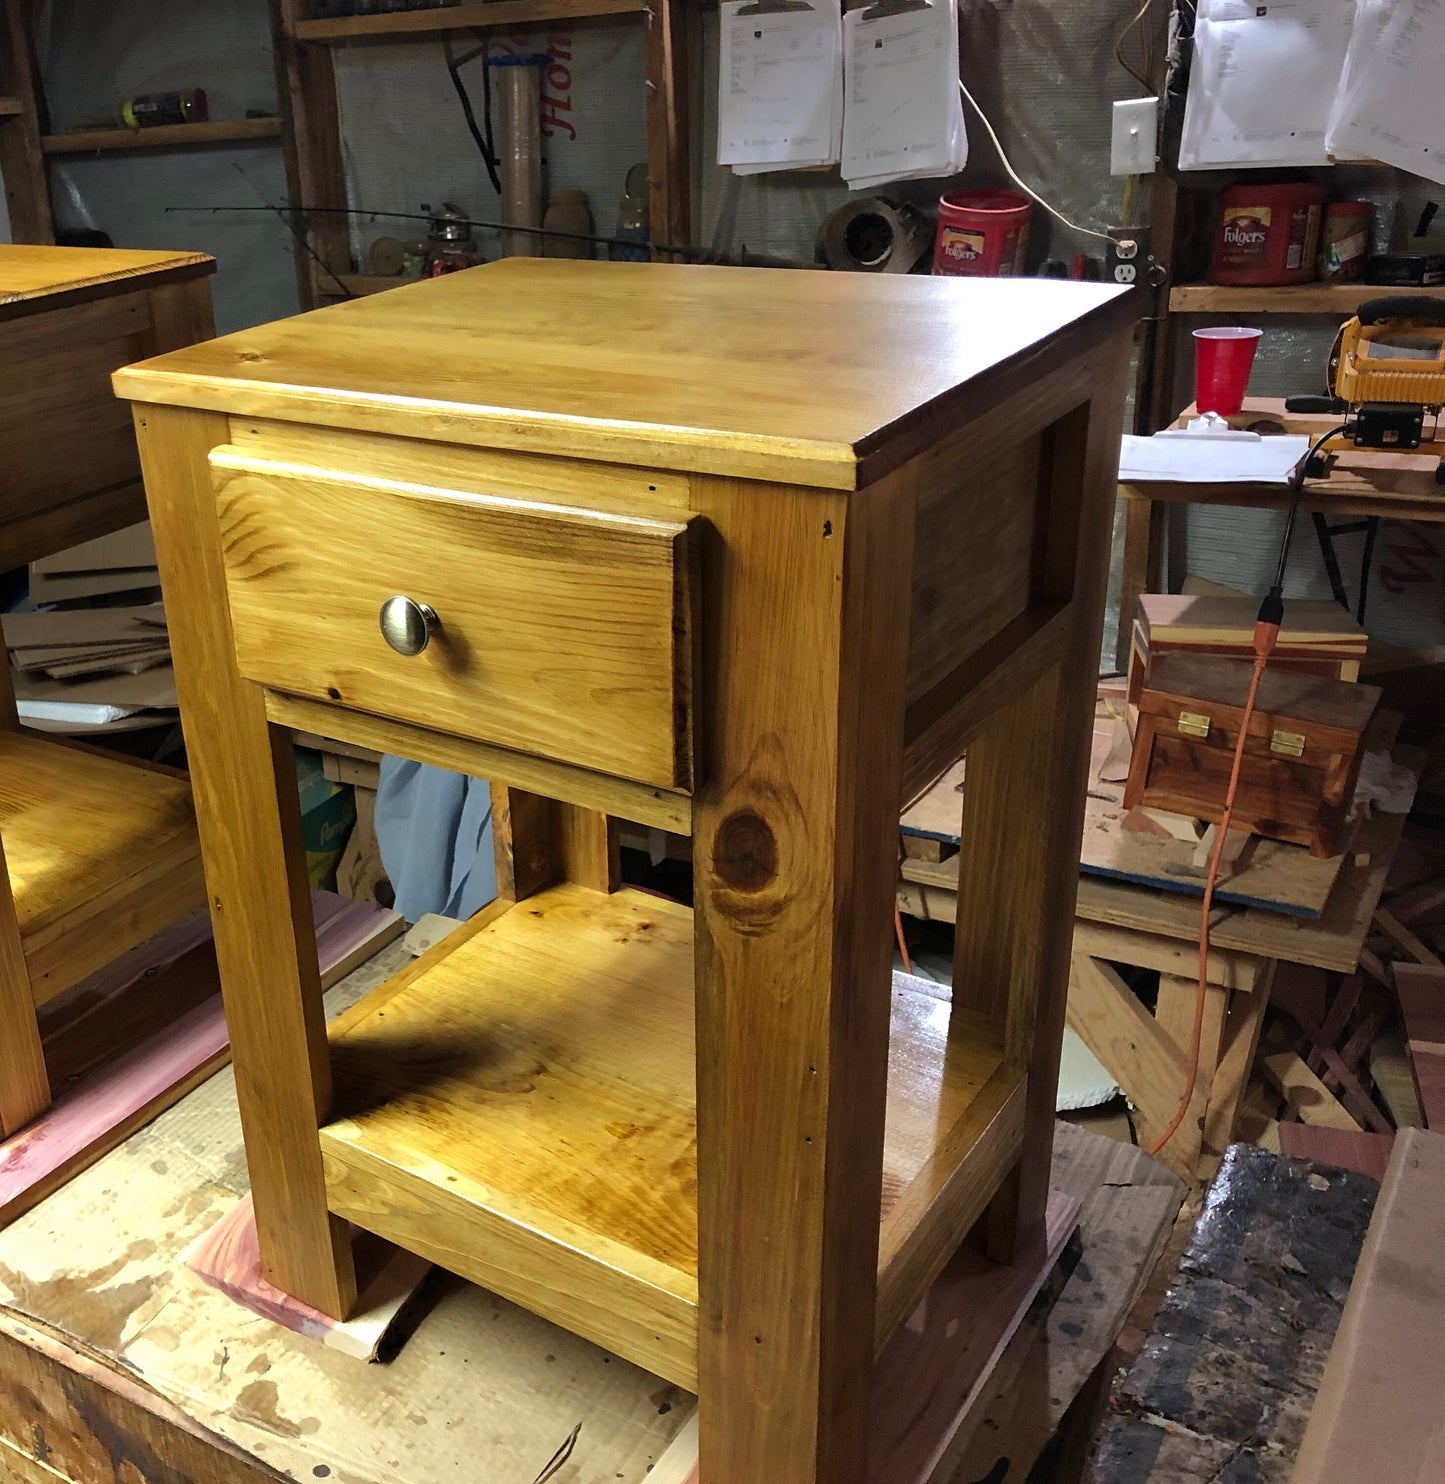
point(1132, 147)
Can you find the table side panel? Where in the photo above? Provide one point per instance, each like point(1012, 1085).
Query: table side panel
point(63, 433)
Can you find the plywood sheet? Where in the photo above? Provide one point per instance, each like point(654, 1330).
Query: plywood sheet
point(1377, 1414)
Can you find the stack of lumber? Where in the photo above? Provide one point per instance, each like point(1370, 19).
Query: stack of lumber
point(1370, 1058)
point(1317, 638)
point(88, 669)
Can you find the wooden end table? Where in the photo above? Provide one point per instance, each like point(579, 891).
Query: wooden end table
point(736, 553)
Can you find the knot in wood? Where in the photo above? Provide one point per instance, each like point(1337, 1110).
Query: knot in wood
point(745, 852)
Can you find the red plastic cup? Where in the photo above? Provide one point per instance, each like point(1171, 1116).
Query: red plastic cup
point(1223, 357)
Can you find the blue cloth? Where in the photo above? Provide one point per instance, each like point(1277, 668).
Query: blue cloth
point(434, 830)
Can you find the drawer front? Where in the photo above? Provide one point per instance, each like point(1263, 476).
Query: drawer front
point(562, 633)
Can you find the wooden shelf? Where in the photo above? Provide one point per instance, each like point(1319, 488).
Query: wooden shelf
point(81, 827)
point(523, 1113)
point(1340, 299)
point(9, 107)
point(422, 23)
point(222, 131)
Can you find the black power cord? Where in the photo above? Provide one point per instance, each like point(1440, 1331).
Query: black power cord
point(1271, 610)
point(484, 137)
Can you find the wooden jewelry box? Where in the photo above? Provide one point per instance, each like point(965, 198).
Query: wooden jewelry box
point(745, 555)
point(1301, 759)
point(1317, 638)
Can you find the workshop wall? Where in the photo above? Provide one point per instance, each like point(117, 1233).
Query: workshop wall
point(95, 52)
point(1044, 70)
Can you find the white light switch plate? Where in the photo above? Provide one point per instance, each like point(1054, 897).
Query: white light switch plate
point(1132, 148)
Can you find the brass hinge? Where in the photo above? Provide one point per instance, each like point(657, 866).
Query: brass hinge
point(1287, 744)
point(1191, 724)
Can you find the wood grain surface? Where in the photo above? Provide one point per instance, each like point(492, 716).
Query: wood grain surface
point(35, 277)
point(524, 1113)
point(77, 823)
point(777, 376)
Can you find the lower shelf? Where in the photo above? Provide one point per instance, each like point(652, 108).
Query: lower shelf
point(95, 846)
point(522, 1112)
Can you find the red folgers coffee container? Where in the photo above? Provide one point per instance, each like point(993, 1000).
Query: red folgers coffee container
point(1345, 243)
point(982, 234)
point(1268, 234)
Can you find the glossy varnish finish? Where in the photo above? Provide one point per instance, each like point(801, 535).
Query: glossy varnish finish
point(541, 1080)
point(717, 1144)
point(774, 376)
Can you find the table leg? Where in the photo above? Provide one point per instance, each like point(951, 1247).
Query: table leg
point(1140, 1055)
point(24, 1082)
point(1175, 1010)
point(1236, 1061)
point(249, 817)
point(1140, 565)
point(795, 835)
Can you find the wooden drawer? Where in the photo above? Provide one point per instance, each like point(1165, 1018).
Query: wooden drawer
point(564, 633)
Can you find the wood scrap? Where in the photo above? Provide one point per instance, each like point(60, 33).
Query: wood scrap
point(1421, 994)
point(1365, 1153)
point(1404, 939)
point(1377, 1415)
point(1419, 904)
point(1305, 1093)
point(1394, 1080)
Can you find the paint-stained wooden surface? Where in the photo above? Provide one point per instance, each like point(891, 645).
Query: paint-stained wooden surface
point(561, 632)
point(1225, 1383)
point(776, 376)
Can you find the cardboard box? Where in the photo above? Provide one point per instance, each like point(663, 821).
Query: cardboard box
point(328, 814)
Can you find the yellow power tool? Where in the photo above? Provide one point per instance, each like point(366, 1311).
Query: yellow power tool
point(1387, 376)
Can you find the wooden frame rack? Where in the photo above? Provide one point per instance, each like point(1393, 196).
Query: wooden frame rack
point(312, 137)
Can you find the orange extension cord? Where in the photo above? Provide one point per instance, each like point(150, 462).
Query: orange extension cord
point(1265, 635)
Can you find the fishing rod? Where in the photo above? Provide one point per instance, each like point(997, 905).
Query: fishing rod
point(690, 254)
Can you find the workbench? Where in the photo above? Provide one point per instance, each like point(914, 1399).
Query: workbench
point(746, 555)
point(1118, 922)
point(1360, 483)
point(117, 1362)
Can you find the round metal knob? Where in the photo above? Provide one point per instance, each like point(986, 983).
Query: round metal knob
point(407, 625)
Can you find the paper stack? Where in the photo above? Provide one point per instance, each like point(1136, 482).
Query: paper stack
point(1204, 459)
point(1263, 82)
point(780, 86)
point(90, 668)
point(1388, 106)
point(903, 113)
point(1308, 82)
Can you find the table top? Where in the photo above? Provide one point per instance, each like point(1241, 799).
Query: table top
point(1360, 482)
point(34, 278)
point(796, 376)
